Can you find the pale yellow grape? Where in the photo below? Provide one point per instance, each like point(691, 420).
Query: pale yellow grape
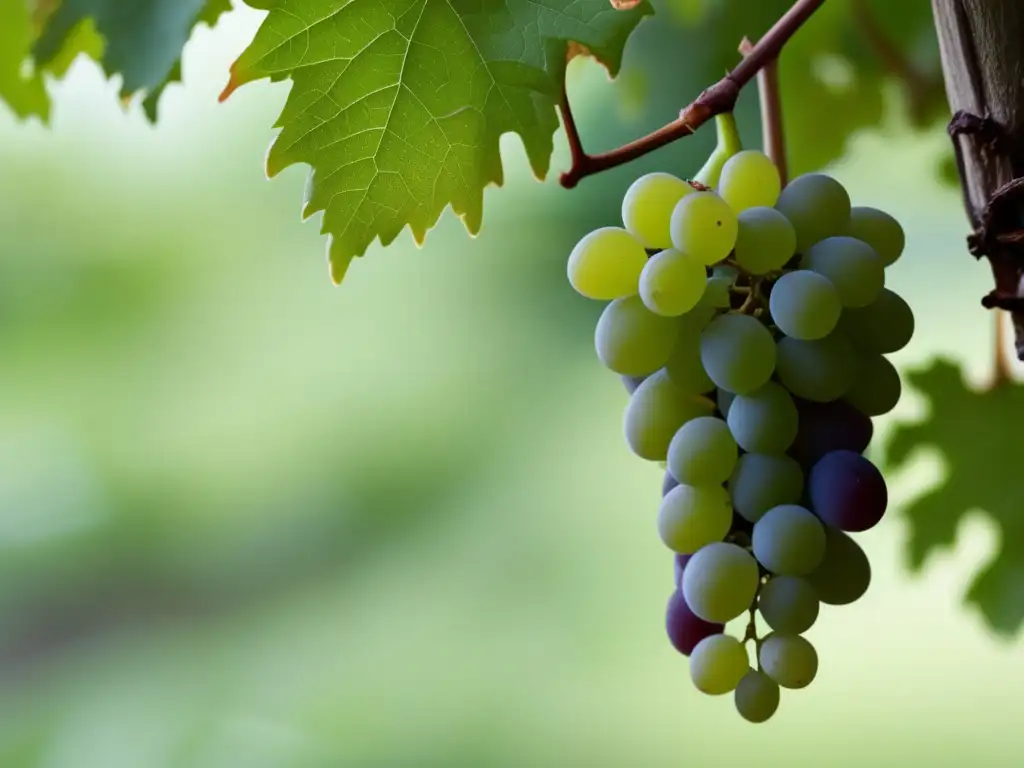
point(789, 660)
point(757, 697)
point(717, 664)
point(672, 282)
point(632, 340)
point(705, 226)
point(749, 179)
point(648, 204)
point(656, 411)
point(765, 240)
point(692, 516)
point(606, 264)
point(720, 581)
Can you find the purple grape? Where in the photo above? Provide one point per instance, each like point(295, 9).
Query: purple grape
point(686, 629)
point(827, 427)
point(680, 561)
point(847, 491)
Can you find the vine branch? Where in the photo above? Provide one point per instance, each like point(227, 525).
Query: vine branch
point(715, 100)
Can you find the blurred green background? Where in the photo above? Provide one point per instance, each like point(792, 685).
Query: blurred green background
point(250, 520)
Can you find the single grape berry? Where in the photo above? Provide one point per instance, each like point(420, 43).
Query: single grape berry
point(847, 491)
point(685, 628)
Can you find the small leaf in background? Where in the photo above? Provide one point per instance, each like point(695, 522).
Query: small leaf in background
point(143, 40)
point(978, 434)
point(23, 90)
point(398, 108)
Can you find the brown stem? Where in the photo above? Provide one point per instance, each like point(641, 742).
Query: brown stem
point(773, 138)
point(720, 97)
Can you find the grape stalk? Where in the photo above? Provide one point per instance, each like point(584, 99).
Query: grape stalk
point(750, 323)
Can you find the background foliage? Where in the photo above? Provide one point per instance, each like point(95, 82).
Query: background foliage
point(249, 519)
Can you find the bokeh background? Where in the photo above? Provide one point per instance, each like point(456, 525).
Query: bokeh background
point(251, 520)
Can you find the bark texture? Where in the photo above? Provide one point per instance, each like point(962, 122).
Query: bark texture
point(982, 46)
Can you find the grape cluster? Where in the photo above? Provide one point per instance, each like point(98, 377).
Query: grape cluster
point(750, 324)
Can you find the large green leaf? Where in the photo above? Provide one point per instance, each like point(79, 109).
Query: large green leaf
point(978, 435)
point(398, 105)
point(23, 91)
point(143, 39)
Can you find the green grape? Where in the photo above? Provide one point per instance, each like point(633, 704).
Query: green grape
point(684, 366)
point(817, 206)
point(884, 326)
point(703, 452)
point(789, 660)
point(749, 179)
point(757, 697)
point(821, 370)
point(724, 400)
point(789, 540)
point(672, 283)
point(720, 582)
point(648, 204)
point(656, 411)
point(738, 353)
point(805, 305)
point(718, 293)
point(877, 388)
point(845, 572)
point(606, 264)
point(717, 664)
point(765, 240)
point(764, 421)
point(632, 340)
point(705, 226)
point(693, 516)
point(851, 266)
point(879, 230)
point(761, 481)
point(788, 604)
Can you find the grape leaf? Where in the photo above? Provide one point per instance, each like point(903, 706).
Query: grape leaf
point(978, 434)
point(23, 91)
point(143, 39)
point(398, 106)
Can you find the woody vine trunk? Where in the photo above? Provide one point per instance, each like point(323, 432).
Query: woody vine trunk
point(982, 47)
